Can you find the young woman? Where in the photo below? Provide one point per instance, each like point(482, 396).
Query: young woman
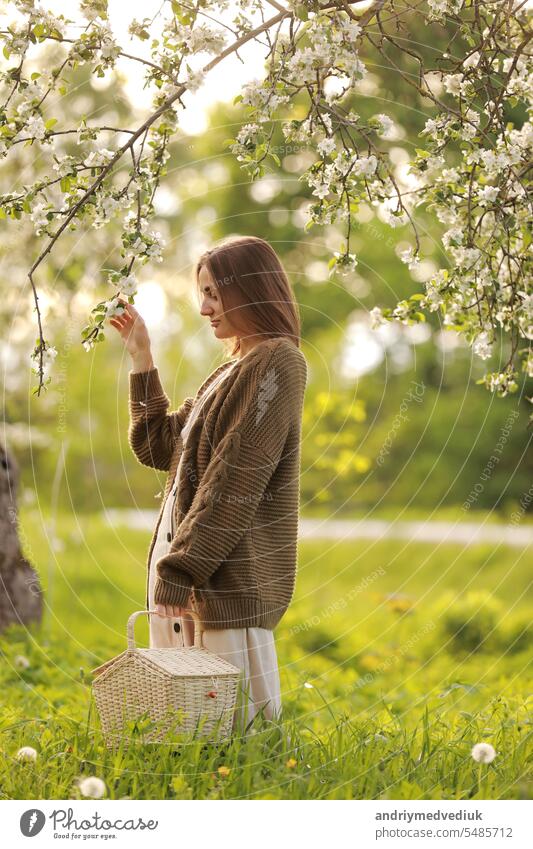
point(225, 540)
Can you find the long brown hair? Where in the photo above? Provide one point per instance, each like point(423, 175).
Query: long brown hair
point(253, 287)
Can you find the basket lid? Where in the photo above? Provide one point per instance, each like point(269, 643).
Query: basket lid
point(188, 661)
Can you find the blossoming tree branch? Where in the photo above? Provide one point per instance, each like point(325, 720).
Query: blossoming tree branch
point(471, 169)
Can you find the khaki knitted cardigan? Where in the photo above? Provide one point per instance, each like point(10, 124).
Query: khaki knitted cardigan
point(237, 506)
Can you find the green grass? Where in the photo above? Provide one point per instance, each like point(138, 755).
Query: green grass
point(415, 652)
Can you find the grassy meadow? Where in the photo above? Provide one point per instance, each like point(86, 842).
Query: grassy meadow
point(395, 659)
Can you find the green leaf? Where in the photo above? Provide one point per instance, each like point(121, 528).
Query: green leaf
point(50, 123)
point(301, 13)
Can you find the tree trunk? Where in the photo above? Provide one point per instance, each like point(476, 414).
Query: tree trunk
point(21, 600)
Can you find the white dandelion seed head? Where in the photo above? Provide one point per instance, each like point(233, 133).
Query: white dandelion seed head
point(92, 787)
point(483, 753)
point(27, 753)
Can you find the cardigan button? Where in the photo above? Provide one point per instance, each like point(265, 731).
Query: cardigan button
point(169, 537)
point(177, 627)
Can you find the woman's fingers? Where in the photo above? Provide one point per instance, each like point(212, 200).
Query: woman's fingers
point(168, 611)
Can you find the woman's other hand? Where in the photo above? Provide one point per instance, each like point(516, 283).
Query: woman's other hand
point(167, 611)
point(134, 333)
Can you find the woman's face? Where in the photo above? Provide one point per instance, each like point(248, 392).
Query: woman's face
point(211, 306)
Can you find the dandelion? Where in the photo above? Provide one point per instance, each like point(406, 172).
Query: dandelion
point(21, 662)
point(92, 787)
point(483, 753)
point(223, 771)
point(27, 753)
point(291, 763)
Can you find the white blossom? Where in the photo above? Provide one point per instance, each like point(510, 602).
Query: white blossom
point(453, 83)
point(99, 158)
point(38, 216)
point(205, 39)
point(487, 195)
point(195, 79)
point(482, 345)
point(471, 61)
point(365, 165)
point(452, 237)
point(326, 146)
point(36, 128)
point(65, 165)
point(395, 219)
point(127, 285)
point(113, 307)
point(409, 258)
point(376, 318)
point(387, 128)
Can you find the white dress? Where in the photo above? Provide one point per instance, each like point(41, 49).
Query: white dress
point(251, 649)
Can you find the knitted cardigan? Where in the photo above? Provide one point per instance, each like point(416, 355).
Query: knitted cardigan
point(237, 505)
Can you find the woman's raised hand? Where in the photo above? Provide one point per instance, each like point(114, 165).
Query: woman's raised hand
point(134, 333)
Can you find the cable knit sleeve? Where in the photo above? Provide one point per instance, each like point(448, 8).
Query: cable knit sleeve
point(153, 430)
point(235, 480)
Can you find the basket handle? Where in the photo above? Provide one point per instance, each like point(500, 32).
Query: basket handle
point(198, 644)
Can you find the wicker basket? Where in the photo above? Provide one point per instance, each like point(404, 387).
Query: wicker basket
point(180, 689)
